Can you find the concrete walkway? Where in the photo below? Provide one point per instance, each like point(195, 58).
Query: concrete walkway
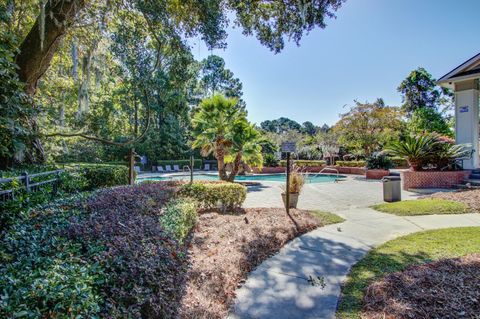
point(304, 279)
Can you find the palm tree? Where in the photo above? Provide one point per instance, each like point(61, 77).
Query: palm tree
point(221, 127)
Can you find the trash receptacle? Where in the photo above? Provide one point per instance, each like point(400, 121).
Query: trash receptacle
point(392, 189)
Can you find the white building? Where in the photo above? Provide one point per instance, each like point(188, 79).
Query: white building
point(464, 82)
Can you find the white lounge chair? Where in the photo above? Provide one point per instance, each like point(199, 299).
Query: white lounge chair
point(207, 167)
point(176, 168)
point(168, 168)
point(160, 169)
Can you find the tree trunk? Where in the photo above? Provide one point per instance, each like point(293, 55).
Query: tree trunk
point(236, 165)
point(36, 55)
point(220, 155)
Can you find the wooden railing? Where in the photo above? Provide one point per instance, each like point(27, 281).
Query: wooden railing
point(28, 186)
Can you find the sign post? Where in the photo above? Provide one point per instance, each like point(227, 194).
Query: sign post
point(191, 167)
point(288, 147)
point(131, 166)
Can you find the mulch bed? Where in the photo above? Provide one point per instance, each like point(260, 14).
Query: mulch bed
point(449, 288)
point(469, 197)
point(225, 247)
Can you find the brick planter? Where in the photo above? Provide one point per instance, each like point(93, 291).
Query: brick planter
point(432, 179)
point(351, 170)
point(377, 173)
point(268, 170)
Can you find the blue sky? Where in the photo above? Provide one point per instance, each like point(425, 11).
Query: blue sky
point(363, 54)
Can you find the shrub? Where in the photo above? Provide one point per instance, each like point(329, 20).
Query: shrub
point(270, 160)
point(351, 163)
point(100, 175)
point(209, 195)
point(146, 265)
point(178, 217)
point(43, 273)
point(399, 162)
point(105, 256)
point(379, 161)
point(304, 163)
point(144, 199)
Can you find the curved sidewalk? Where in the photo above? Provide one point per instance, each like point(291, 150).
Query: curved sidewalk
point(304, 279)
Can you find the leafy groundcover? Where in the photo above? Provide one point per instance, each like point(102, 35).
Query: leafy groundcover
point(105, 255)
point(130, 252)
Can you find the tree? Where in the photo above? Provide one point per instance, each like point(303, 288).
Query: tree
point(367, 127)
point(309, 128)
point(272, 22)
point(419, 90)
point(221, 128)
point(215, 78)
point(280, 125)
point(428, 120)
point(42, 32)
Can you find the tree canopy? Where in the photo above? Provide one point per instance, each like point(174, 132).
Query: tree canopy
point(110, 68)
point(419, 90)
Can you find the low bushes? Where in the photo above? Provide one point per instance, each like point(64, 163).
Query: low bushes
point(178, 218)
point(209, 195)
point(43, 273)
point(351, 163)
point(115, 254)
point(399, 162)
point(304, 163)
point(74, 179)
point(100, 175)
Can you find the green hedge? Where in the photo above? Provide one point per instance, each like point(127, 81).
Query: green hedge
point(197, 163)
point(350, 163)
point(304, 163)
point(211, 194)
point(93, 176)
point(179, 217)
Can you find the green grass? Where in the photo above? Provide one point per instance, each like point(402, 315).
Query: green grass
point(426, 206)
point(400, 253)
point(327, 218)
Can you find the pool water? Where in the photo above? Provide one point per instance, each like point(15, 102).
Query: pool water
point(311, 178)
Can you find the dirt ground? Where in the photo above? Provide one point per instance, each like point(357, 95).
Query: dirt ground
point(448, 288)
point(226, 247)
point(469, 197)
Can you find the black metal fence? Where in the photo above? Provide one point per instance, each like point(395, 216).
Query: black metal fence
point(28, 185)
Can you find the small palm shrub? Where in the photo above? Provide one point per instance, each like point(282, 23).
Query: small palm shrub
point(212, 195)
point(270, 160)
point(379, 161)
point(430, 150)
point(415, 149)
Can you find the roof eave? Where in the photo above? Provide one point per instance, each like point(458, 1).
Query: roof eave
point(450, 76)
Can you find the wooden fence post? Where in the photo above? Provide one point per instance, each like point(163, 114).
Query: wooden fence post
point(26, 181)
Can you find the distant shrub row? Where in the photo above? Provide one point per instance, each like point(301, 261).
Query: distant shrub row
point(350, 163)
point(304, 163)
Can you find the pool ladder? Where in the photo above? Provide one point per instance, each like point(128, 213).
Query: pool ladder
point(331, 169)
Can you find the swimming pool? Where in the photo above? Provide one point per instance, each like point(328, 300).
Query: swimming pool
point(311, 178)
